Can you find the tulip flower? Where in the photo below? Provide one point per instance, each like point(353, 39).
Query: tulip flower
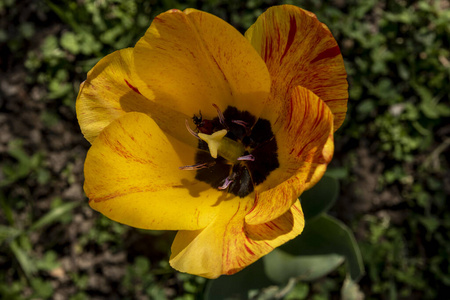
point(214, 134)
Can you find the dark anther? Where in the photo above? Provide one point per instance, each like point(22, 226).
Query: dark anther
point(190, 130)
point(198, 120)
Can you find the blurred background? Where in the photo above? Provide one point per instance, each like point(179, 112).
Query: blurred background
point(391, 159)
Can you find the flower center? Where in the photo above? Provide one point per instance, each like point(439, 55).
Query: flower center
point(235, 151)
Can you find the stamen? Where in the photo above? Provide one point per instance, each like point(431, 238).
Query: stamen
point(227, 182)
point(249, 157)
point(190, 130)
point(196, 166)
point(240, 122)
point(221, 117)
point(244, 124)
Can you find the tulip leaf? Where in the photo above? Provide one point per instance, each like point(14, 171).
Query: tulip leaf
point(281, 266)
point(237, 286)
point(320, 198)
point(326, 235)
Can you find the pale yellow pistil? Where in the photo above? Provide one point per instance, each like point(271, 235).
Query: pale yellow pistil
point(219, 144)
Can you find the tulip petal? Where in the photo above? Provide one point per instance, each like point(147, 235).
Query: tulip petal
point(305, 147)
point(228, 245)
point(132, 176)
point(109, 92)
point(299, 50)
point(191, 60)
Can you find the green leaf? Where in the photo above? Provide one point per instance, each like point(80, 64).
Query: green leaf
point(69, 41)
point(237, 286)
point(48, 262)
point(26, 263)
point(326, 235)
point(8, 233)
point(42, 289)
point(6, 209)
point(299, 292)
point(320, 198)
point(281, 266)
point(54, 215)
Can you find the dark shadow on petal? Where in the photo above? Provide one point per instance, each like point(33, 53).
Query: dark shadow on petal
point(271, 230)
point(215, 174)
point(166, 118)
point(190, 186)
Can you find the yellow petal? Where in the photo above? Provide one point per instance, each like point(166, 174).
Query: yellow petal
point(305, 147)
point(109, 92)
point(299, 50)
point(190, 60)
point(132, 176)
point(228, 245)
point(319, 169)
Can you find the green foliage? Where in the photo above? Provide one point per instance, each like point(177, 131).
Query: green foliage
point(388, 266)
point(281, 266)
point(320, 198)
point(19, 243)
point(325, 236)
point(105, 231)
point(24, 166)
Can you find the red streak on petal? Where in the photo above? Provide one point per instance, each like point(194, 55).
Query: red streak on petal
point(249, 250)
point(291, 36)
point(268, 48)
point(329, 53)
point(255, 203)
point(135, 89)
point(275, 225)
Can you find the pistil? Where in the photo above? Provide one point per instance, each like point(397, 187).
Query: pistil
point(219, 144)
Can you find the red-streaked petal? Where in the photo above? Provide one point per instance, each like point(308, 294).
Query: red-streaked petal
point(299, 50)
point(228, 245)
point(132, 176)
point(109, 92)
point(305, 147)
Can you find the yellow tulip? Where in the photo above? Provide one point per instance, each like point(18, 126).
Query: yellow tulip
point(270, 102)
